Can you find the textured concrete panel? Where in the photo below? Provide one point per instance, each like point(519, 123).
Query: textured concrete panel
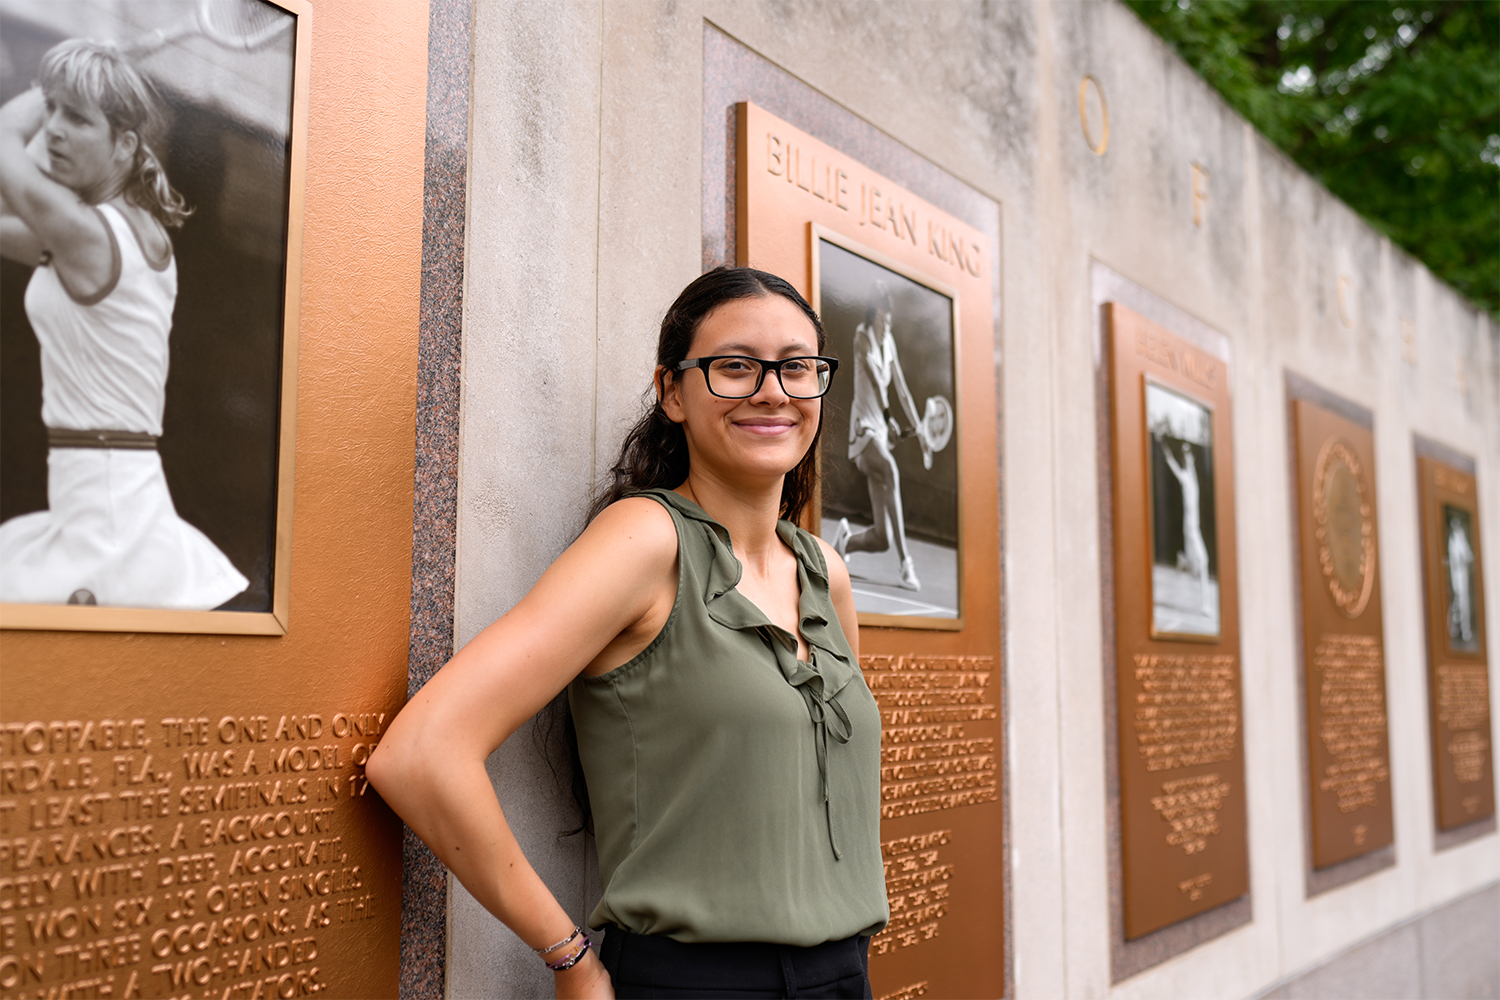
point(1447, 954)
point(648, 215)
point(526, 456)
point(1389, 966)
point(1461, 948)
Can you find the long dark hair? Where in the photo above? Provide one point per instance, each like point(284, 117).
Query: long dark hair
point(655, 455)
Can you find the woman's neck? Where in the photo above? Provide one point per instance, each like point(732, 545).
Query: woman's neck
point(749, 515)
point(105, 191)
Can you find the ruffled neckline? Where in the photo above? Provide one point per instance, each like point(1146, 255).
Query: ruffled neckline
point(820, 681)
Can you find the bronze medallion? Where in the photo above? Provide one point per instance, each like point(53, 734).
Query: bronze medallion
point(1343, 654)
point(1345, 530)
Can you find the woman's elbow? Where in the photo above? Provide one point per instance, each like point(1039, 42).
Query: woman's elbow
point(389, 770)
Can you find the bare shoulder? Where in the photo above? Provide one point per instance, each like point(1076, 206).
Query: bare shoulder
point(634, 534)
point(636, 518)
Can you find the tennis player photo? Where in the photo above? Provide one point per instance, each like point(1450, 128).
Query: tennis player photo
point(1184, 540)
point(145, 198)
point(889, 462)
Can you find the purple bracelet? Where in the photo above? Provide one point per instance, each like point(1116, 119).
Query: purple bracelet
point(572, 959)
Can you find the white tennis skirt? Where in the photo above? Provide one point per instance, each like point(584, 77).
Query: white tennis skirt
point(111, 530)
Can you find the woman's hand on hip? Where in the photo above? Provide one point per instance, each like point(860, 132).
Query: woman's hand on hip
point(588, 980)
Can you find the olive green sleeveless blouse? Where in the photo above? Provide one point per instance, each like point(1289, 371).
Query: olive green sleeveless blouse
point(735, 788)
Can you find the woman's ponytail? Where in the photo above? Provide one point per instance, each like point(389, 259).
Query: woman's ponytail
point(148, 188)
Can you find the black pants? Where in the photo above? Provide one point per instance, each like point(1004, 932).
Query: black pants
point(648, 965)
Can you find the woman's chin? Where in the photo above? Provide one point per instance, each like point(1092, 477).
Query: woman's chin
point(773, 463)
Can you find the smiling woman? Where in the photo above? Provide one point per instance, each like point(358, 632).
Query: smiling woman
point(85, 201)
point(709, 651)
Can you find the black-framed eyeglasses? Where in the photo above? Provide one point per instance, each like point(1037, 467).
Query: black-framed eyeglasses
point(734, 376)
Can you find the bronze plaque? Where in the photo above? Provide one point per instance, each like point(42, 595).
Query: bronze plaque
point(1177, 644)
point(209, 852)
point(892, 274)
point(1458, 673)
point(183, 811)
point(1343, 655)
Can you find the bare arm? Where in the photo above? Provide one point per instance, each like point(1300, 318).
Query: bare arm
point(430, 765)
point(17, 241)
point(898, 377)
point(1177, 470)
point(57, 219)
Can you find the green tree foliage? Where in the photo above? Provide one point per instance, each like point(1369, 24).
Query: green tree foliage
point(1393, 104)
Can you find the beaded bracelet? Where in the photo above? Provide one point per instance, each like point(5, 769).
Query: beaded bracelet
point(553, 947)
point(572, 959)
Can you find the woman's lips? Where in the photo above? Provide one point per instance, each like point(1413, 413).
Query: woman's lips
point(765, 426)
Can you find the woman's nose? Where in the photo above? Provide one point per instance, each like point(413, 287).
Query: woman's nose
point(770, 390)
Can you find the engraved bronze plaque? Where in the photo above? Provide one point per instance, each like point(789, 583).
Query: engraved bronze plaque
point(1343, 656)
point(183, 811)
point(894, 275)
point(1182, 786)
point(212, 852)
point(1458, 673)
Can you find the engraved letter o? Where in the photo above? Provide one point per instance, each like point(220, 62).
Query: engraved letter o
point(10, 972)
point(1098, 139)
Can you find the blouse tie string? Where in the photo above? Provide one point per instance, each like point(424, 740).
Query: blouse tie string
point(831, 670)
point(827, 715)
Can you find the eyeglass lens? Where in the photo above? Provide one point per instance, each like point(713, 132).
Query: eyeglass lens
point(737, 378)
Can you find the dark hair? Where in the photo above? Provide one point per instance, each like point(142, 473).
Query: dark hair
point(655, 455)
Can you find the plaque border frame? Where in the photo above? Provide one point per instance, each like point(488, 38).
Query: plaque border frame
point(815, 233)
point(1430, 501)
point(1316, 881)
point(276, 621)
point(1129, 958)
point(1124, 403)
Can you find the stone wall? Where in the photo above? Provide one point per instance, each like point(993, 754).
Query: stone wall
point(585, 173)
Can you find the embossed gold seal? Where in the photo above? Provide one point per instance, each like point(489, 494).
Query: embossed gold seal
point(1345, 530)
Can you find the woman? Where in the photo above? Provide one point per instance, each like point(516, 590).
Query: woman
point(872, 431)
point(709, 649)
point(92, 221)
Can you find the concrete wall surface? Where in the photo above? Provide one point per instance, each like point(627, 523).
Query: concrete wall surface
point(1446, 952)
point(584, 222)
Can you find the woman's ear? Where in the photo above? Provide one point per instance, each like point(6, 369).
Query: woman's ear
point(126, 144)
point(669, 394)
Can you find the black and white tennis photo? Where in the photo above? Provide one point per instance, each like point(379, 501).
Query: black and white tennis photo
point(1184, 538)
point(145, 191)
point(889, 452)
point(1458, 555)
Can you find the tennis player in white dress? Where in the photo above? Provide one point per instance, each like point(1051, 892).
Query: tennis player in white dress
point(87, 206)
